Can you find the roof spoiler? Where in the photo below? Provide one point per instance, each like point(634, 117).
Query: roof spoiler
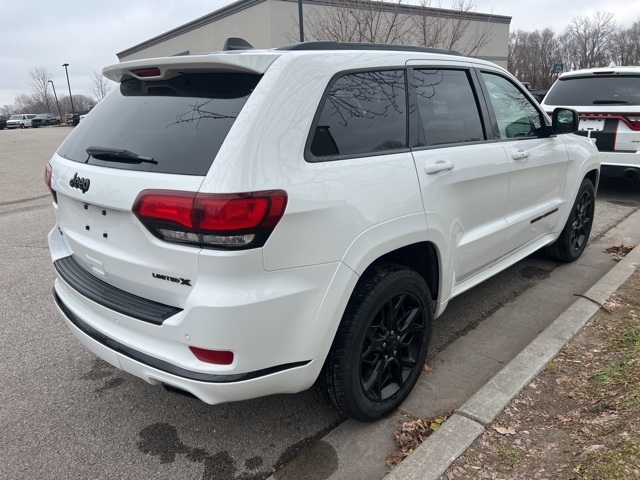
point(235, 43)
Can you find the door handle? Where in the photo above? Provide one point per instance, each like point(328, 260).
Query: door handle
point(520, 155)
point(440, 166)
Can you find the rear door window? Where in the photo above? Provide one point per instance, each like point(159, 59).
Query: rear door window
point(363, 113)
point(180, 122)
point(448, 111)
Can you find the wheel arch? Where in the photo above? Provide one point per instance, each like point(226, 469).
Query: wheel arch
point(594, 176)
point(421, 257)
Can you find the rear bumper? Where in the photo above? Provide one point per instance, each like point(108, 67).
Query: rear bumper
point(620, 165)
point(210, 388)
point(278, 324)
point(620, 159)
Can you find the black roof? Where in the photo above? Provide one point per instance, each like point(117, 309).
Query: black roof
point(366, 46)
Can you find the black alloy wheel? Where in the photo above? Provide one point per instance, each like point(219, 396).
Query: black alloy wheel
point(381, 344)
point(581, 224)
point(575, 234)
point(391, 346)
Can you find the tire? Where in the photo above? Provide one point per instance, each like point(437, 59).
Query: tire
point(575, 234)
point(381, 344)
point(22, 125)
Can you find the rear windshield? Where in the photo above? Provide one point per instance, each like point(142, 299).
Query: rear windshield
point(596, 90)
point(179, 122)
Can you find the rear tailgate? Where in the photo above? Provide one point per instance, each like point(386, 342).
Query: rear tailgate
point(613, 130)
point(106, 239)
point(159, 134)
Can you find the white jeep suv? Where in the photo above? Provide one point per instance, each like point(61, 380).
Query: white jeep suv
point(252, 222)
point(608, 102)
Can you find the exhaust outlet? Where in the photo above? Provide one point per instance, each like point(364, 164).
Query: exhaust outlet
point(631, 175)
point(178, 391)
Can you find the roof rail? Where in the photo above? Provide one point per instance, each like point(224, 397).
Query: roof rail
point(235, 43)
point(366, 46)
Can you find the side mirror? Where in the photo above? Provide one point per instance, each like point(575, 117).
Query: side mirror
point(564, 120)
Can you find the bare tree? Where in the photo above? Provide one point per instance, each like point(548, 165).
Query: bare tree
point(80, 102)
point(365, 21)
point(24, 103)
point(589, 39)
point(429, 29)
point(376, 21)
point(38, 82)
point(625, 46)
point(100, 86)
point(531, 56)
point(6, 110)
point(450, 29)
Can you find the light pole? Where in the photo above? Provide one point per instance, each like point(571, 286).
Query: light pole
point(46, 97)
point(56, 95)
point(65, 65)
point(300, 21)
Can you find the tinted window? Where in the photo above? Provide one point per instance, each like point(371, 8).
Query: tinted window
point(447, 107)
point(596, 90)
point(180, 122)
point(516, 115)
point(362, 113)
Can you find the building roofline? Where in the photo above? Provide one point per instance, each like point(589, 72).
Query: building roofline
point(241, 5)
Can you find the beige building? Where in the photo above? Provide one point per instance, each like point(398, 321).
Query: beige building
point(274, 23)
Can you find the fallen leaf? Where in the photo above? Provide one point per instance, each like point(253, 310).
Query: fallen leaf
point(505, 430)
point(393, 460)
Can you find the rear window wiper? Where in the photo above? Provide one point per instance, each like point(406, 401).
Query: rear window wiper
point(117, 155)
point(609, 102)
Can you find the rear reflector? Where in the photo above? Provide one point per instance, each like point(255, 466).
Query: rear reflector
point(219, 357)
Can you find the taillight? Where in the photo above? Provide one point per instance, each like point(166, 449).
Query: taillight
point(48, 171)
point(209, 220)
point(633, 121)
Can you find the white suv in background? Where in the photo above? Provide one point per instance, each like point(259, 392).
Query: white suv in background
point(252, 222)
point(608, 102)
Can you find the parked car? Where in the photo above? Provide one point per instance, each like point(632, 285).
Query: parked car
point(3, 122)
point(539, 94)
point(301, 215)
point(608, 101)
point(20, 120)
point(75, 117)
point(43, 120)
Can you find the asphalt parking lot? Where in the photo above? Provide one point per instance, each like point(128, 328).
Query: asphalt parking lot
point(66, 414)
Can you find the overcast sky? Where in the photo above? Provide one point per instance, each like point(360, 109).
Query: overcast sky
point(88, 34)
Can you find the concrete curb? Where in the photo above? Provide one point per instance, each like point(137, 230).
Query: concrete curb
point(431, 459)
